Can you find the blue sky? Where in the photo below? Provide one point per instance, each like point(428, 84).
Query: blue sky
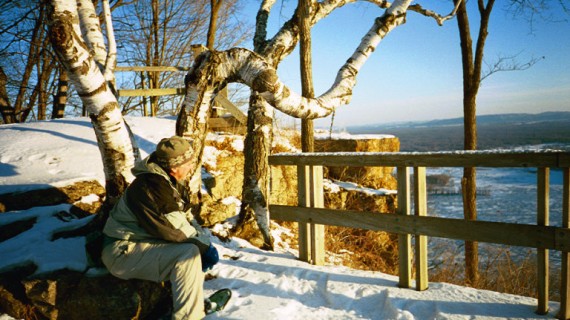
point(415, 73)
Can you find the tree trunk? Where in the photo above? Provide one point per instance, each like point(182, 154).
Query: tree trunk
point(33, 58)
point(307, 130)
point(6, 109)
point(154, 75)
point(469, 187)
point(113, 135)
point(472, 61)
point(253, 222)
point(60, 99)
point(212, 27)
point(254, 201)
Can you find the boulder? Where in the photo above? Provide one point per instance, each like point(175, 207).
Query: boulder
point(71, 194)
point(74, 295)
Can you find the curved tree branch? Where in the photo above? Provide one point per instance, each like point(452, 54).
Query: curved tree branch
point(244, 66)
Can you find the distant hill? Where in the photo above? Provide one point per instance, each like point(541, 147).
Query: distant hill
point(494, 131)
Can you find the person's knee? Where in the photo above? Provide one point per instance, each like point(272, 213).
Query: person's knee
point(190, 254)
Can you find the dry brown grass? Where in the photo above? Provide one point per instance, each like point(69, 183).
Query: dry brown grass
point(499, 271)
point(363, 249)
point(226, 144)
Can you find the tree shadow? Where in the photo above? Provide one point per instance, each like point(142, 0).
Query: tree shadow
point(7, 170)
point(57, 134)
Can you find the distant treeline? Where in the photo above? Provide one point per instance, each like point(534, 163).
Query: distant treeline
point(490, 135)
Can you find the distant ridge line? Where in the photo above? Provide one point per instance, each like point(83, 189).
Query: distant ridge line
point(512, 130)
point(481, 120)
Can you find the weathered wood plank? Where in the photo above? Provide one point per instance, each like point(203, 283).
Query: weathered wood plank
point(564, 312)
point(231, 108)
point(304, 195)
point(424, 159)
point(421, 243)
point(546, 237)
point(150, 68)
point(223, 101)
point(543, 182)
point(150, 92)
point(318, 230)
point(404, 239)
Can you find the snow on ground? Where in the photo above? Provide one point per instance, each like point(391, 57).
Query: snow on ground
point(266, 285)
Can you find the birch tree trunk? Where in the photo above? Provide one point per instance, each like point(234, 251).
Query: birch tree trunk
point(113, 135)
point(213, 70)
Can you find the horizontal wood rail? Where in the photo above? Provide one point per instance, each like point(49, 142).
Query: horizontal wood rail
point(552, 159)
point(151, 92)
point(312, 217)
point(158, 92)
point(545, 237)
point(150, 68)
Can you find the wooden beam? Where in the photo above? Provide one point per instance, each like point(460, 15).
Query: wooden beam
point(150, 92)
point(404, 239)
point(231, 108)
point(223, 101)
point(426, 159)
point(421, 243)
point(150, 68)
point(564, 312)
point(547, 237)
point(543, 194)
point(311, 235)
point(304, 196)
point(317, 230)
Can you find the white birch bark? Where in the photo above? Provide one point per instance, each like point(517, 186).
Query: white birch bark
point(244, 66)
point(111, 60)
point(259, 73)
point(110, 128)
point(91, 29)
point(258, 139)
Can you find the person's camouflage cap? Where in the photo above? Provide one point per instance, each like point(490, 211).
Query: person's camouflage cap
point(173, 152)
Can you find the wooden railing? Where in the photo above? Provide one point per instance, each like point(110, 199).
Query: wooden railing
point(156, 92)
point(312, 217)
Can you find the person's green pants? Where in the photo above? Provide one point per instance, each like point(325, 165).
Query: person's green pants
point(178, 262)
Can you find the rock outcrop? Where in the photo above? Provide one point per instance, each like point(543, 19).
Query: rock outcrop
point(73, 295)
point(76, 295)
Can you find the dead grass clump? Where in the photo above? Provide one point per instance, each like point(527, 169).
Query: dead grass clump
point(363, 249)
point(499, 271)
point(225, 144)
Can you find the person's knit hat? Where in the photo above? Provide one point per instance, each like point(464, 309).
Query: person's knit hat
point(173, 152)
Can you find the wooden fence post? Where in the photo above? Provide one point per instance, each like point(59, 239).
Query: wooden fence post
point(543, 181)
point(564, 312)
point(311, 236)
point(404, 240)
point(420, 209)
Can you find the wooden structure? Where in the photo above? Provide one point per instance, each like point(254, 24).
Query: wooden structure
point(235, 123)
point(311, 216)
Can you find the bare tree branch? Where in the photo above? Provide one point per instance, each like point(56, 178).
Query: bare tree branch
point(508, 63)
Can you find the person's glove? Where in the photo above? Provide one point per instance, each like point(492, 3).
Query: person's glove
point(209, 258)
point(208, 252)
